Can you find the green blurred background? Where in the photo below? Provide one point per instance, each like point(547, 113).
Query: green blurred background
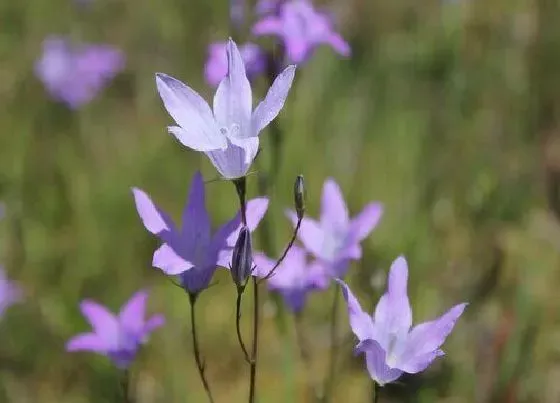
point(447, 112)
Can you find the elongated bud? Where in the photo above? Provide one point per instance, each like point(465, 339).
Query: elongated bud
point(242, 258)
point(299, 196)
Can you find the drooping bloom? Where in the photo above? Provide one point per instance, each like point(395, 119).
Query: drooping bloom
point(294, 278)
point(335, 238)
point(10, 293)
point(229, 135)
point(76, 73)
point(118, 337)
point(191, 251)
point(390, 345)
point(302, 29)
point(216, 66)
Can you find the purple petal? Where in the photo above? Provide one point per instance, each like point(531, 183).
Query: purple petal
point(256, 209)
point(87, 342)
point(360, 322)
point(234, 161)
point(268, 26)
point(233, 99)
point(191, 112)
point(154, 219)
point(196, 222)
point(334, 212)
point(132, 313)
point(153, 323)
point(166, 259)
point(310, 234)
point(297, 49)
point(273, 103)
point(377, 366)
point(393, 313)
point(366, 221)
point(338, 44)
point(103, 322)
point(420, 363)
point(429, 336)
point(199, 278)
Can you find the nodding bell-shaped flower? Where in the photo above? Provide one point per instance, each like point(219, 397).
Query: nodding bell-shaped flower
point(242, 258)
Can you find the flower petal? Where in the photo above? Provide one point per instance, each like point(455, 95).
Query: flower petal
point(377, 366)
point(427, 337)
point(196, 222)
point(153, 323)
point(334, 212)
point(420, 363)
point(360, 322)
point(87, 342)
point(103, 322)
point(234, 161)
point(233, 98)
point(192, 113)
point(154, 219)
point(338, 44)
point(198, 278)
point(310, 234)
point(268, 26)
point(171, 263)
point(132, 313)
point(393, 313)
point(273, 103)
point(366, 221)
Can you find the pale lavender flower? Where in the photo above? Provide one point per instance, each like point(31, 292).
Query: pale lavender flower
point(191, 251)
point(335, 238)
point(266, 6)
point(76, 73)
point(118, 337)
point(229, 134)
point(391, 346)
point(237, 12)
point(10, 293)
point(294, 278)
point(216, 66)
point(302, 29)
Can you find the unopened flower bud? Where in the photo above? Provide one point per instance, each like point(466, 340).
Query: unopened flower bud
point(242, 258)
point(299, 196)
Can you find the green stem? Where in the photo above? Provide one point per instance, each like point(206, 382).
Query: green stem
point(254, 352)
point(196, 349)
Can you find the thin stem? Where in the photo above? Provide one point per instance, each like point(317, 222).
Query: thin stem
point(238, 327)
point(286, 250)
point(254, 352)
point(376, 392)
point(313, 392)
point(241, 188)
point(329, 380)
point(125, 387)
point(196, 349)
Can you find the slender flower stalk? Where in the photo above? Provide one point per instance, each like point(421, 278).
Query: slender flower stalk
point(196, 349)
point(238, 327)
point(255, 348)
point(333, 350)
point(126, 387)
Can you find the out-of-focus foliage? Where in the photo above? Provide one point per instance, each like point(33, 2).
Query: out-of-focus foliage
point(447, 112)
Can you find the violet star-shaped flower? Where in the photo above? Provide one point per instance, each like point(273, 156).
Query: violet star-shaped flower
point(216, 66)
point(229, 135)
point(302, 29)
point(76, 73)
point(391, 346)
point(294, 278)
point(192, 252)
point(118, 337)
point(335, 238)
point(10, 293)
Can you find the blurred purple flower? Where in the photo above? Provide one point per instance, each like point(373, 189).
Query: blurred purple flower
point(335, 239)
point(266, 6)
point(390, 345)
point(10, 293)
point(191, 252)
point(302, 28)
point(229, 135)
point(76, 73)
point(294, 278)
point(237, 12)
point(118, 337)
point(216, 66)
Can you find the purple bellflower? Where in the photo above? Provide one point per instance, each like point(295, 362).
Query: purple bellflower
point(390, 345)
point(10, 293)
point(302, 29)
point(216, 67)
point(266, 6)
point(118, 337)
point(192, 252)
point(76, 73)
point(335, 238)
point(230, 134)
point(294, 278)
